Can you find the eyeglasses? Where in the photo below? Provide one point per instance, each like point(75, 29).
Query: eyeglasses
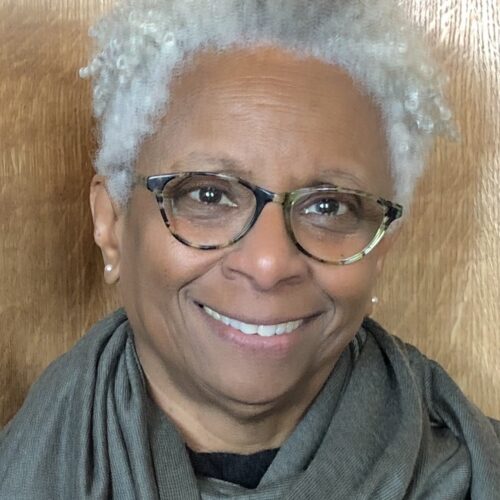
point(331, 224)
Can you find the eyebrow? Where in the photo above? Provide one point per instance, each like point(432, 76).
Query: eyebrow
point(331, 174)
point(210, 163)
point(228, 165)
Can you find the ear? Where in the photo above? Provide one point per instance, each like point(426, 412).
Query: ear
point(107, 227)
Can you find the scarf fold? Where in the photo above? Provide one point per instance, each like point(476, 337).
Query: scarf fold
point(399, 428)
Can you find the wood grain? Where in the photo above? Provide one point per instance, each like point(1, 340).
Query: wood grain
point(441, 286)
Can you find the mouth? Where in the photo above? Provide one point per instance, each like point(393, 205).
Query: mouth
point(261, 330)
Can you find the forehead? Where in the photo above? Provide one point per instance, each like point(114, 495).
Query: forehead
point(281, 118)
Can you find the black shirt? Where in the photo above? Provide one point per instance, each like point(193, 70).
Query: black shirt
point(244, 470)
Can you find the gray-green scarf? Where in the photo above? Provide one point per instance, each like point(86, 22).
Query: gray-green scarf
point(388, 424)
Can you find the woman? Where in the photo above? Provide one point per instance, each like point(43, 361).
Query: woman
point(254, 161)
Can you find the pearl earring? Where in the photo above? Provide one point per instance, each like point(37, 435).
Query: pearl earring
point(375, 300)
point(108, 268)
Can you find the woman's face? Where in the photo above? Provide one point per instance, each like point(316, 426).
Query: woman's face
point(281, 123)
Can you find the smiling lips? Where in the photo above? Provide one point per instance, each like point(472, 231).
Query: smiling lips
point(252, 329)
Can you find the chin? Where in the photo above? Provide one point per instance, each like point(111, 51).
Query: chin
point(257, 391)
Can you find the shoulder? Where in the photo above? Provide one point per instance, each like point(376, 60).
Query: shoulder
point(448, 418)
point(422, 368)
point(431, 378)
point(67, 372)
point(62, 391)
point(443, 401)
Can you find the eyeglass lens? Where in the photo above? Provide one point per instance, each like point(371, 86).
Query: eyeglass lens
point(209, 210)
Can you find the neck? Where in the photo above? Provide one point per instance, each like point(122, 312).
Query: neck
point(214, 425)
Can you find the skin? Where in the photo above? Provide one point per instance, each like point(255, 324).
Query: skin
point(284, 123)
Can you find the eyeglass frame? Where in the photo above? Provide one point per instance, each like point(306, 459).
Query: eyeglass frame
point(157, 183)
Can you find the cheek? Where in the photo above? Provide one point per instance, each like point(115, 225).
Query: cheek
point(349, 285)
point(148, 254)
point(349, 290)
point(155, 267)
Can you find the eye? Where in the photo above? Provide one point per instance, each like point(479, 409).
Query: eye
point(210, 195)
point(327, 206)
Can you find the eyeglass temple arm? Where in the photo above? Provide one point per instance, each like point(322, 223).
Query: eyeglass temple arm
point(394, 212)
point(154, 183)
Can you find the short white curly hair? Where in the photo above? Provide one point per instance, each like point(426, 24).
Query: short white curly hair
point(142, 43)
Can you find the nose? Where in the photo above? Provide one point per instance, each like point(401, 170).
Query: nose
point(266, 256)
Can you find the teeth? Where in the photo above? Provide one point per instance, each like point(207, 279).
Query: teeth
point(266, 330)
point(250, 329)
point(281, 329)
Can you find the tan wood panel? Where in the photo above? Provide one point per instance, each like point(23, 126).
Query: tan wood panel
point(50, 290)
point(440, 288)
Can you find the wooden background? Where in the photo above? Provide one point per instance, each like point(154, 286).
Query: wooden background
point(441, 288)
